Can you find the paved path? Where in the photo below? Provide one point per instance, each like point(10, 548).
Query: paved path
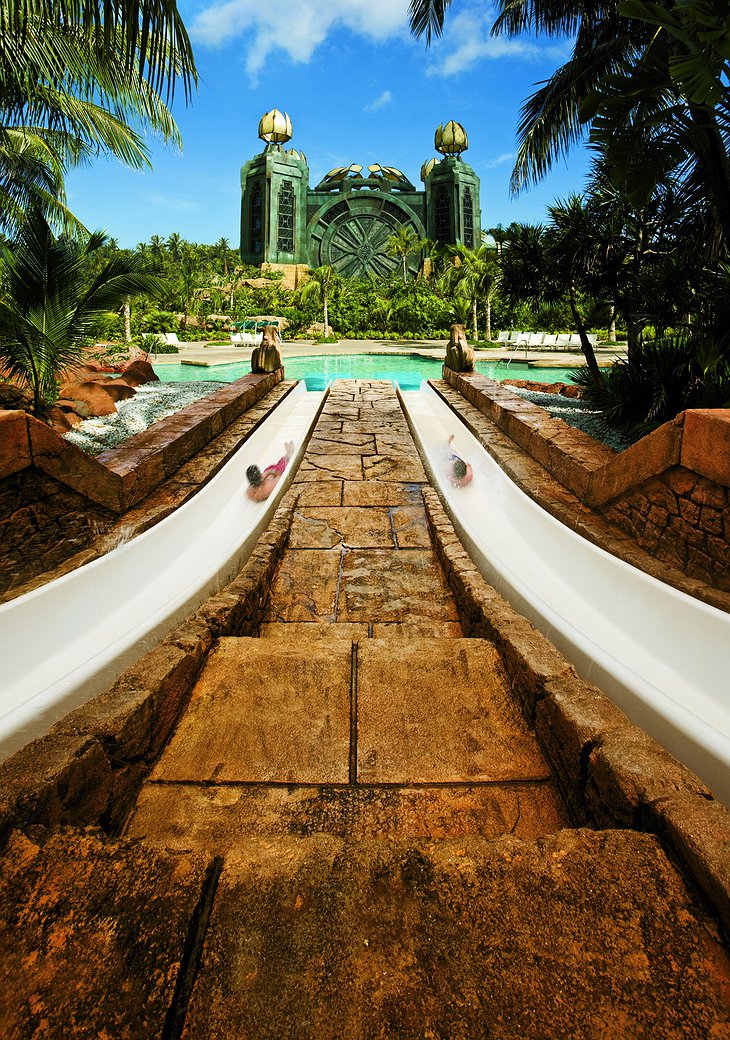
point(353, 832)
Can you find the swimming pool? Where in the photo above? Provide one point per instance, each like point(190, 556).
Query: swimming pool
point(407, 370)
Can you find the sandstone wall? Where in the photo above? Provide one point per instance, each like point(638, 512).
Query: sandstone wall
point(670, 491)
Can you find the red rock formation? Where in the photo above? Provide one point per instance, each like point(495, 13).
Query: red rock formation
point(139, 372)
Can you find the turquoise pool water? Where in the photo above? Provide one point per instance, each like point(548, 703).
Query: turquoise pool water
point(407, 370)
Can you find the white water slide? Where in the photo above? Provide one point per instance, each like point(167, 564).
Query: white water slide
point(67, 641)
point(659, 654)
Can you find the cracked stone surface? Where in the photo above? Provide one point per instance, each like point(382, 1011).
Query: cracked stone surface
point(438, 711)
point(92, 933)
point(325, 527)
point(378, 585)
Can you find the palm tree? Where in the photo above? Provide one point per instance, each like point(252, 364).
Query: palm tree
point(475, 273)
point(321, 285)
point(647, 77)
point(499, 235)
point(547, 265)
point(141, 38)
point(79, 78)
point(174, 245)
point(221, 250)
point(48, 304)
point(402, 244)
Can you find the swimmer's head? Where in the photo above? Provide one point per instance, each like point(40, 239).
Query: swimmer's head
point(253, 474)
point(458, 469)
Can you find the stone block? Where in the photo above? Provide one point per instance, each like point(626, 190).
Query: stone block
point(72, 466)
point(649, 457)
point(706, 443)
point(14, 442)
point(55, 781)
point(92, 936)
point(698, 831)
point(530, 659)
point(565, 467)
point(627, 772)
point(569, 721)
point(682, 481)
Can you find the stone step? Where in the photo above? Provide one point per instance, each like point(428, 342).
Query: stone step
point(219, 818)
point(388, 738)
point(379, 712)
point(583, 935)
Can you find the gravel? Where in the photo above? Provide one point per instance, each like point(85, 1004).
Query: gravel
point(153, 401)
point(577, 413)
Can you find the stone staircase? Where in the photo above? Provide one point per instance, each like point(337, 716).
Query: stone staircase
point(395, 859)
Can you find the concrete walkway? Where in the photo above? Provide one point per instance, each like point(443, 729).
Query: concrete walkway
point(353, 832)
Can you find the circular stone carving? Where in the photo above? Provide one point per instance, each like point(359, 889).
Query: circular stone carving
point(355, 240)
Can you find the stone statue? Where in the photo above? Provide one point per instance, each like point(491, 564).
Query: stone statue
point(459, 355)
point(266, 357)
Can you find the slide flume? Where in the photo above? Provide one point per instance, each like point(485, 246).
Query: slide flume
point(68, 640)
point(659, 654)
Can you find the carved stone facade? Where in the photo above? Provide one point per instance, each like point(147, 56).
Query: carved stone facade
point(347, 220)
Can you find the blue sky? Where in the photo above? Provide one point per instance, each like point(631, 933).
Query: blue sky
point(357, 87)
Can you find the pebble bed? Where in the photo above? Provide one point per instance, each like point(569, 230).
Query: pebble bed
point(152, 402)
point(579, 414)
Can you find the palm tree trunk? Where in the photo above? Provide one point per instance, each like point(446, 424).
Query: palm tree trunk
point(488, 308)
point(612, 323)
point(584, 341)
point(326, 319)
point(127, 311)
point(474, 317)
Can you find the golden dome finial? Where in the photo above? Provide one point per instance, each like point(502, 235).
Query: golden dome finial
point(450, 138)
point(275, 127)
point(427, 167)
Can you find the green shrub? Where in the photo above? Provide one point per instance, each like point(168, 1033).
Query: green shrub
point(664, 377)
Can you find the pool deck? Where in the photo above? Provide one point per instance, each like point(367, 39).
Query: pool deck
point(226, 354)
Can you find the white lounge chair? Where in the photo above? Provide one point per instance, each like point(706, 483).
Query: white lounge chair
point(536, 339)
point(593, 338)
point(550, 340)
point(171, 338)
point(575, 341)
point(522, 340)
point(562, 341)
point(514, 336)
point(503, 337)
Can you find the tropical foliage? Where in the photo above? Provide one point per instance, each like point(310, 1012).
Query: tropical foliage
point(49, 303)
point(78, 79)
point(648, 241)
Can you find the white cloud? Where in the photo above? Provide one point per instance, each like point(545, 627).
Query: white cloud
point(466, 41)
point(499, 160)
point(296, 27)
point(384, 99)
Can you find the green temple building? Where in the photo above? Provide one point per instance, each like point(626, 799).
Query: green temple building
point(348, 219)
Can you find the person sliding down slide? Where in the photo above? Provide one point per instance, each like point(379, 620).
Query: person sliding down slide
point(260, 485)
point(459, 472)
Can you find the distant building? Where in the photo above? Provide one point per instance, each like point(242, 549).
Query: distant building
point(348, 218)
